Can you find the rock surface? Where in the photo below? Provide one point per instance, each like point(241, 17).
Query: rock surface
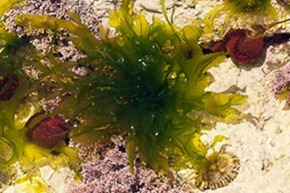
point(263, 146)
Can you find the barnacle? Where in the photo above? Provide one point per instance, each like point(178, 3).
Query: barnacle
point(219, 169)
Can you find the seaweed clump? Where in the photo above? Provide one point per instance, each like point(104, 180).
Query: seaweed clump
point(21, 109)
point(146, 83)
point(256, 6)
point(234, 10)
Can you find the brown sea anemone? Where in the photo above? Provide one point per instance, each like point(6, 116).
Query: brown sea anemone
point(220, 168)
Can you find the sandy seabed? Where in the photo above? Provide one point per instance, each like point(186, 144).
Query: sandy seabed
point(263, 146)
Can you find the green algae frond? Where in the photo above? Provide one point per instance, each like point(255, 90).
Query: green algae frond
point(147, 83)
point(245, 10)
point(20, 98)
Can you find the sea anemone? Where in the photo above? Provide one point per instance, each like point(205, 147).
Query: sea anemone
point(49, 132)
point(219, 170)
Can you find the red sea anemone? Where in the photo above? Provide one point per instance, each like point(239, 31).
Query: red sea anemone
point(49, 132)
point(243, 48)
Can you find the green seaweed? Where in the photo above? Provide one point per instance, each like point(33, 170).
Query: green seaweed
point(235, 9)
point(15, 114)
point(146, 83)
point(256, 6)
point(20, 98)
point(5, 5)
